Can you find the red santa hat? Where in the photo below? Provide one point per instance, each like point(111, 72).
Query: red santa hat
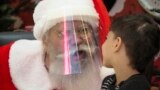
point(50, 12)
point(104, 20)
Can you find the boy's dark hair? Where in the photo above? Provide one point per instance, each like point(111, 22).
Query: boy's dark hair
point(141, 36)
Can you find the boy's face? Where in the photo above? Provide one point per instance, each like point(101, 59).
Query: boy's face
point(108, 49)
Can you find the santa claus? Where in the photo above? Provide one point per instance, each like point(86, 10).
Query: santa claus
point(66, 54)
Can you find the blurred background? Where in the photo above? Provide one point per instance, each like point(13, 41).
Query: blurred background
point(16, 15)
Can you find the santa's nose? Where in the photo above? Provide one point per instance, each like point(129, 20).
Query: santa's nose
point(79, 39)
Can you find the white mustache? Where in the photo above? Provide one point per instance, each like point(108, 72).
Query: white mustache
point(85, 48)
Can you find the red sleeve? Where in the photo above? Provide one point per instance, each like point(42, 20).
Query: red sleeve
point(5, 78)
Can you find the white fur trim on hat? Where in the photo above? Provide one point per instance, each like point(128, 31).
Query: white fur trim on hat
point(49, 12)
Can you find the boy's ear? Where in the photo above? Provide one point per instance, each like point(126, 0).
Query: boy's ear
point(117, 44)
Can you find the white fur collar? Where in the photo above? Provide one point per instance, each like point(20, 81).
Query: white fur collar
point(27, 66)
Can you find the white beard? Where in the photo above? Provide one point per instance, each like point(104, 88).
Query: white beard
point(88, 79)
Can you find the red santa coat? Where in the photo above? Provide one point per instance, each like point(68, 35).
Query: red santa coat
point(22, 67)
point(5, 78)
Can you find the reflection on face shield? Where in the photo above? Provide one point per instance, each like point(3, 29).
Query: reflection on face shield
point(79, 46)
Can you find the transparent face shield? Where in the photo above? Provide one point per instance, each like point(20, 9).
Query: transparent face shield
point(75, 44)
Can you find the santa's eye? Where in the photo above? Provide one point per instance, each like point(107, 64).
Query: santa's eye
point(60, 34)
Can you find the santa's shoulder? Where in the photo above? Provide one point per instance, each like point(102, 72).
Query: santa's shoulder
point(26, 47)
point(24, 52)
point(26, 65)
